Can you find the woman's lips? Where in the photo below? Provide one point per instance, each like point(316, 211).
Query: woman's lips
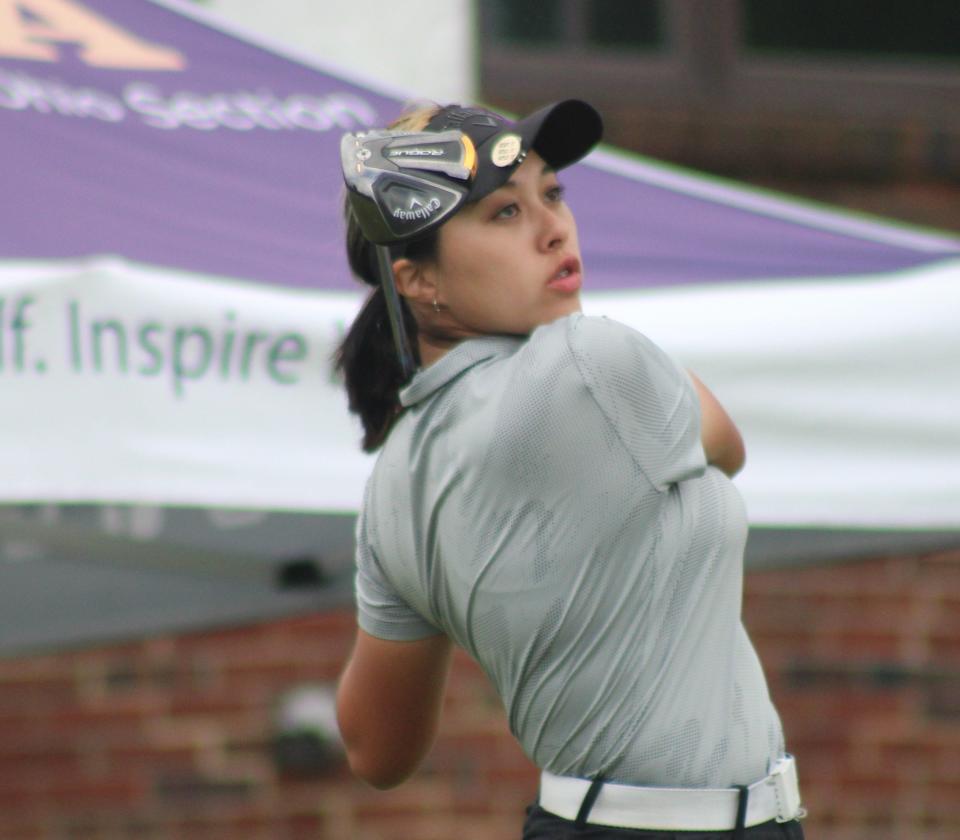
point(568, 278)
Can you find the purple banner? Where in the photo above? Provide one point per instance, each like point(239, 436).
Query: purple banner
point(127, 128)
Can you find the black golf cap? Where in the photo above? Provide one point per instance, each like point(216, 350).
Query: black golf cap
point(402, 184)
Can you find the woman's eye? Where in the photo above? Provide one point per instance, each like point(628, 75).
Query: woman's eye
point(507, 212)
point(555, 193)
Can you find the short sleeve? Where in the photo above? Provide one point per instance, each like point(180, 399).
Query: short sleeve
point(645, 395)
point(381, 611)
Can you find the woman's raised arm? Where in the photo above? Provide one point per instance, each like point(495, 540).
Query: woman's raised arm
point(722, 442)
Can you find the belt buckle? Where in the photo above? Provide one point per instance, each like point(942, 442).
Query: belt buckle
point(783, 778)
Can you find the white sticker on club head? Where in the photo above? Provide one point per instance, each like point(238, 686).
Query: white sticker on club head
point(506, 150)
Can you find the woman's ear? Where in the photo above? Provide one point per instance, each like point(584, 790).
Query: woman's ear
point(415, 281)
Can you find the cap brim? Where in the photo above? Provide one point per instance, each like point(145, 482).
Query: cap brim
point(562, 133)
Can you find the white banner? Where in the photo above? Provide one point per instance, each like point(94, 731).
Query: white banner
point(130, 384)
point(133, 384)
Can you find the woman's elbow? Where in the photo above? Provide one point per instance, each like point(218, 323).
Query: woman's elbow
point(378, 771)
point(733, 456)
point(372, 755)
point(723, 447)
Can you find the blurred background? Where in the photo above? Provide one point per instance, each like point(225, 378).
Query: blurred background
point(846, 101)
point(228, 733)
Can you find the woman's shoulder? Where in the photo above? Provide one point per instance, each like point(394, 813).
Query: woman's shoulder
point(596, 343)
point(612, 357)
point(579, 329)
point(601, 334)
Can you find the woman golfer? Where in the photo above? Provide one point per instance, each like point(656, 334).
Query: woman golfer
point(552, 494)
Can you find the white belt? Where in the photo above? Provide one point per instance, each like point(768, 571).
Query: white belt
point(776, 797)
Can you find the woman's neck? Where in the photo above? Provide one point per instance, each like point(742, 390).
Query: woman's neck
point(434, 347)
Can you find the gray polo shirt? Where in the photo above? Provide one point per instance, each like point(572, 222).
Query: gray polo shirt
point(546, 503)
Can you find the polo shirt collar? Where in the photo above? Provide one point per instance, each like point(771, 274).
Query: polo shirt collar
point(454, 362)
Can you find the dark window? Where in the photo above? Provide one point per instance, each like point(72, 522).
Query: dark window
point(864, 27)
point(623, 23)
point(593, 23)
point(528, 21)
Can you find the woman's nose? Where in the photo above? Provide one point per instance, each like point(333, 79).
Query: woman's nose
point(554, 229)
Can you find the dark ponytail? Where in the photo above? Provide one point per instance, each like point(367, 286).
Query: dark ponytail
point(367, 357)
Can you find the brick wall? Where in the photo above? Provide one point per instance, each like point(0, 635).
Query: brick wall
point(173, 737)
point(864, 663)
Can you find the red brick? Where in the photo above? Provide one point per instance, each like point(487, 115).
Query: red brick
point(945, 649)
point(301, 827)
point(219, 707)
point(95, 794)
point(12, 830)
